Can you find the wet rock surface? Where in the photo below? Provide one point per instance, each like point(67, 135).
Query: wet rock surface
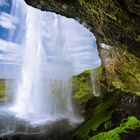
point(12, 128)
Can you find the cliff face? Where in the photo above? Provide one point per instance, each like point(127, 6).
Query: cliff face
point(115, 23)
point(106, 18)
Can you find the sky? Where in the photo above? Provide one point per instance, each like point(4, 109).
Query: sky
point(9, 51)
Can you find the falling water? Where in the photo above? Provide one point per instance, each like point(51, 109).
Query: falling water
point(50, 49)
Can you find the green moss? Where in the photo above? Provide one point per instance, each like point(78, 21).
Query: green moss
point(81, 94)
point(98, 71)
point(130, 123)
point(91, 125)
point(123, 73)
point(111, 135)
point(106, 116)
point(137, 92)
point(115, 134)
point(82, 88)
point(106, 103)
point(100, 114)
point(130, 67)
point(82, 84)
point(131, 91)
point(2, 90)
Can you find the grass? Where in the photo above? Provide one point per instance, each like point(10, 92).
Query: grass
point(2, 90)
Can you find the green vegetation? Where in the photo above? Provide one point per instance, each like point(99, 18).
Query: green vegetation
point(122, 73)
point(115, 134)
point(82, 88)
point(2, 90)
point(82, 84)
point(98, 71)
point(131, 91)
point(107, 116)
point(100, 113)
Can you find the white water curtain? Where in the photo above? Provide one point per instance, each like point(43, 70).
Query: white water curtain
point(42, 51)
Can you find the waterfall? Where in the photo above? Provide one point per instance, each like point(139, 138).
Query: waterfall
point(49, 50)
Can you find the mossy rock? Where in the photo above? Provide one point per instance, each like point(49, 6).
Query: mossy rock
point(105, 113)
point(97, 113)
point(115, 134)
point(121, 71)
point(84, 86)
